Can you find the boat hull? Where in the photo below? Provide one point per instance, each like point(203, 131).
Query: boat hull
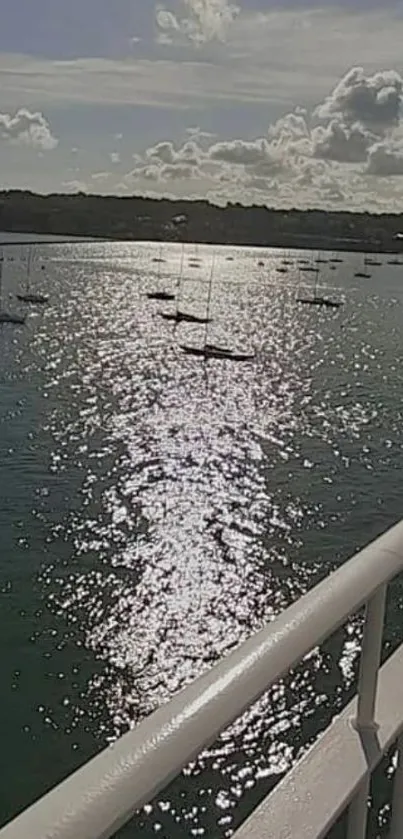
point(223, 355)
point(160, 295)
point(319, 301)
point(8, 317)
point(182, 317)
point(36, 299)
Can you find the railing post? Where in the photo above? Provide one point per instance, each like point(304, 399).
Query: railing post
point(396, 825)
point(367, 685)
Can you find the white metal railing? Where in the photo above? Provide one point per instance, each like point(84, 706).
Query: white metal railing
point(95, 801)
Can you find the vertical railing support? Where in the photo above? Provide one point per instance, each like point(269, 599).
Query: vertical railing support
point(396, 825)
point(367, 685)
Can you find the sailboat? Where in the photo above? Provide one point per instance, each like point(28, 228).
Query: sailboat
point(310, 268)
point(362, 274)
point(369, 261)
point(178, 316)
point(394, 261)
point(212, 350)
point(28, 296)
point(160, 295)
point(160, 257)
point(8, 317)
point(318, 300)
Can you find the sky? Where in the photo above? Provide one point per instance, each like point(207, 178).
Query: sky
point(287, 103)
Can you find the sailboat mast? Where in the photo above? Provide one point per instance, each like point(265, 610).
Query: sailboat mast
point(180, 277)
point(29, 260)
point(1, 277)
point(209, 299)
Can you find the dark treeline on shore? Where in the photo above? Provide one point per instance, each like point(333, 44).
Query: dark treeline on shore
point(162, 219)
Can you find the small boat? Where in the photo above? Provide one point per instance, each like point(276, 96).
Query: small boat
point(207, 352)
point(8, 317)
point(319, 301)
point(363, 275)
point(214, 348)
point(336, 260)
point(321, 261)
point(369, 261)
point(310, 268)
point(28, 296)
point(38, 299)
point(282, 270)
point(261, 263)
point(160, 295)
point(183, 317)
point(394, 262)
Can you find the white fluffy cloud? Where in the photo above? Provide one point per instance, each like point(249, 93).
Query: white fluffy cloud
point(201, 21)
point(373, 101)
point(341, 142)
point(343, 153)
point(27, 128)
point(385, 160)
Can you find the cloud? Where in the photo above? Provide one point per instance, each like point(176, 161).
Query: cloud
point(242, 152)
point(373, 101)
point(198, 134)
point(307, 158)
point(27, 128)
point(100, 176)
point(385, 160)
point(343, 143)
point(75, 186)
point(202, 21)
point(165, 153)
point(276, 58)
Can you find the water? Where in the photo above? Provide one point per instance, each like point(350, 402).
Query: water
point(155, 510)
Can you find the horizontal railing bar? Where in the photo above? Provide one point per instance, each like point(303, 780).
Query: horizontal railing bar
point(316, 791)
point(99, 798)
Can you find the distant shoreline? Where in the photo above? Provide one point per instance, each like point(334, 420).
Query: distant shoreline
point(330, 246)
point(80, 217)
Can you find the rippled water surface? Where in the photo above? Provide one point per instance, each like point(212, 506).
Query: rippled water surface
point(156, 509)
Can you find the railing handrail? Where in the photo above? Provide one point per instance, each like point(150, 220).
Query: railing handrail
point(96, 800)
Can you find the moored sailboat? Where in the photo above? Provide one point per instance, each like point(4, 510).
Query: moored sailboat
point(318, 299)
point(8, 317)
point(212, 351)
point(28, 296)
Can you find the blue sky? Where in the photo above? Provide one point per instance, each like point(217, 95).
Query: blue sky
point(248, 100)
